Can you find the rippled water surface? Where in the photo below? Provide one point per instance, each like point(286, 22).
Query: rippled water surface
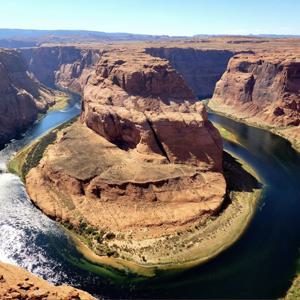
point(260, 265)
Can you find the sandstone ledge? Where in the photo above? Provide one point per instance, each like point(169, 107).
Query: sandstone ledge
point(140, 176)
point(17, 283)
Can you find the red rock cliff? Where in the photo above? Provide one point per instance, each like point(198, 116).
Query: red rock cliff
point(22, 97)
point(17, 283)
point(63, 66)
point(138, 101)
point(264, 88)
point(200, 68)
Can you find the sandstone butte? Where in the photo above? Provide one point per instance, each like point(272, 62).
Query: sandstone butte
point(17, 283)
point(143, 161)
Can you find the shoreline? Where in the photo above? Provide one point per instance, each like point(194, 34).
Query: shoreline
point(295, 145)
point(149, 270)
point(294, 290)
point(17, 162)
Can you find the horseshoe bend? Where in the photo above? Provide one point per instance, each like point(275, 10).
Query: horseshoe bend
point(140, 180)
point(149, 166)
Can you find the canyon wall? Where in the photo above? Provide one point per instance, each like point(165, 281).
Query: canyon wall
point(263, 90)
point(22, 97)
point(136, 103)
point(200, 68)
point(66, 67)
point(262, 87)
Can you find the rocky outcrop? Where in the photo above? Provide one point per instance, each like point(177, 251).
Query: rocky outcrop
point(142, 103)
point(201, 68)
point(294, 290)
point(263, 90)
point(22, 97)
point(144, 161)
point(17, 283)
point(63, 66)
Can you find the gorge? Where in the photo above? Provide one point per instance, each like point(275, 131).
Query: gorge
point(134, 117)
point(22, 97)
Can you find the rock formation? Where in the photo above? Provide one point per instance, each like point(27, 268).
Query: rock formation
point(22, 97)
point(17, 283)
point(263, 90)
point(294, 290)
point(63, 66)
point(145, 162)
point(201, 68)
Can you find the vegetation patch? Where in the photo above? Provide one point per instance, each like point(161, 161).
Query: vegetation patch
point(61, 102)
point(30, 156)
point(94, 238)
point(294, 291)
point(226, 134)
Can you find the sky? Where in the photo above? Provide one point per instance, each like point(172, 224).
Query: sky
point(171, 17)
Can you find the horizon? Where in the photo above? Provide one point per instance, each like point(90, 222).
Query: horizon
point(155, 18)
point(258, 35)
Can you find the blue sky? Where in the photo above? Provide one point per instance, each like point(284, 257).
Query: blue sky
point(172, 17)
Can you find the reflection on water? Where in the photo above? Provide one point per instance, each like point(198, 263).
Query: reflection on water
point(260, 265)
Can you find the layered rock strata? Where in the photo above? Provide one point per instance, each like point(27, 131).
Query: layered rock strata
point(17, 283)
point(264, 90)
point(201, 68)
point(144, 161)
point(22, 97)
point(66, 67)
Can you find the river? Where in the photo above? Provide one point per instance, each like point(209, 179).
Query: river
point(260, 265)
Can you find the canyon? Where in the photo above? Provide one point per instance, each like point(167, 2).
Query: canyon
point(255, 85)
point(66, 67)
point(137, 117)
point(29, 81)
point(128, 156)
point(22, 97)
point(252, 80)
point(263, 90)
point(201, 68)
point(129, 179)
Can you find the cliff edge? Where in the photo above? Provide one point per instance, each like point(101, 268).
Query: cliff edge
point(17, 283)
point(263, 90)
point(22, 97)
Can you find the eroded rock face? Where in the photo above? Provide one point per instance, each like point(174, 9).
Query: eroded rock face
point(144, 159)
point(22, 97)
point(16, 283)
point(63, 66)
point(201, 68)
point(148, 107)
point(264, 88)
